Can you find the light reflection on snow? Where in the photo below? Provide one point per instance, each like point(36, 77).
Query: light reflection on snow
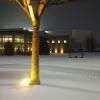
point(25, 82)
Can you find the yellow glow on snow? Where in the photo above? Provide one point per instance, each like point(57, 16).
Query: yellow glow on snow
point(25, 82)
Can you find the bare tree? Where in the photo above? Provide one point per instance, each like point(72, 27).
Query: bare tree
point(34, 10)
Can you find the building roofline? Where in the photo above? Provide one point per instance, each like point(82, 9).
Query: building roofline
point(14, 30)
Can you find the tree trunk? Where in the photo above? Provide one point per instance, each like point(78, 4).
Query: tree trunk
point(35, 56)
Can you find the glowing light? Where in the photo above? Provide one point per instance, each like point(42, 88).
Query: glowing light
point(53, 41)
point(58, 41)
point(10, 39)
point(65, 41)
point(50, 50)
point(15, 49)
point(48, 32)
point(30, 30)
point(25, 82)
point(17, 39)
point(24, 28)
point(3, 48)
point(61, 50)
point(47, 41)
point(7, 39)
point(56, 51)
point(28, 48)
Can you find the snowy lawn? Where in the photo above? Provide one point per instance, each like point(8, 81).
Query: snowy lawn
point(62, 78)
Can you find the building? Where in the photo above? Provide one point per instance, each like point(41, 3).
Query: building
point(72, 41)
point(21, 39)
point(58, 42)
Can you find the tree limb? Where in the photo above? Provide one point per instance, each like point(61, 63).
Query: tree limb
point(41, 6)
point(24, 8)
point(31, 12)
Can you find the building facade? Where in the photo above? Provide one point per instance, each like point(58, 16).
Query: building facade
point(58, 43)
point(21, 39)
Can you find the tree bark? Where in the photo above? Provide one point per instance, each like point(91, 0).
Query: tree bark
point(35, 55)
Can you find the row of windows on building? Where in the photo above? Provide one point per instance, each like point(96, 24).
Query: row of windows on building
point(17, 38)
point(29, 49)
point(20, 39)
point(19, 43)
point(57, 49)
point(18, 46)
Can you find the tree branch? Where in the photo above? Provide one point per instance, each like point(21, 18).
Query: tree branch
point(24, 8)
point(40, 8)
point(25, 4)
point(31, 12)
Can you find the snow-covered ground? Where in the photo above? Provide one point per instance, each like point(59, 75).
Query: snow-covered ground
point(62, 78)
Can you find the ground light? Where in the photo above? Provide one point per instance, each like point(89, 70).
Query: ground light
point(25, 82)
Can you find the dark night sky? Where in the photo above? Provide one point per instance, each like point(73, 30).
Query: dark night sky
point(85, 15)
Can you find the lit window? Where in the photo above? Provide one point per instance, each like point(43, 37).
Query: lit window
point(47, 41)
point(65, 41)
point(53, 41)
point(28, 48)
point(15, 49)
point(10, 39)
point(17, 39)
point(5, 39)
point(22, 40)
point(3, 47)
point(58, 41)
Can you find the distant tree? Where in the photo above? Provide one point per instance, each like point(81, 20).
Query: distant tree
point(8, 49)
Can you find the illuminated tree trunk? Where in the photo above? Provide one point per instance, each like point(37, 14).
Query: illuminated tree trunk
point(35, 55)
